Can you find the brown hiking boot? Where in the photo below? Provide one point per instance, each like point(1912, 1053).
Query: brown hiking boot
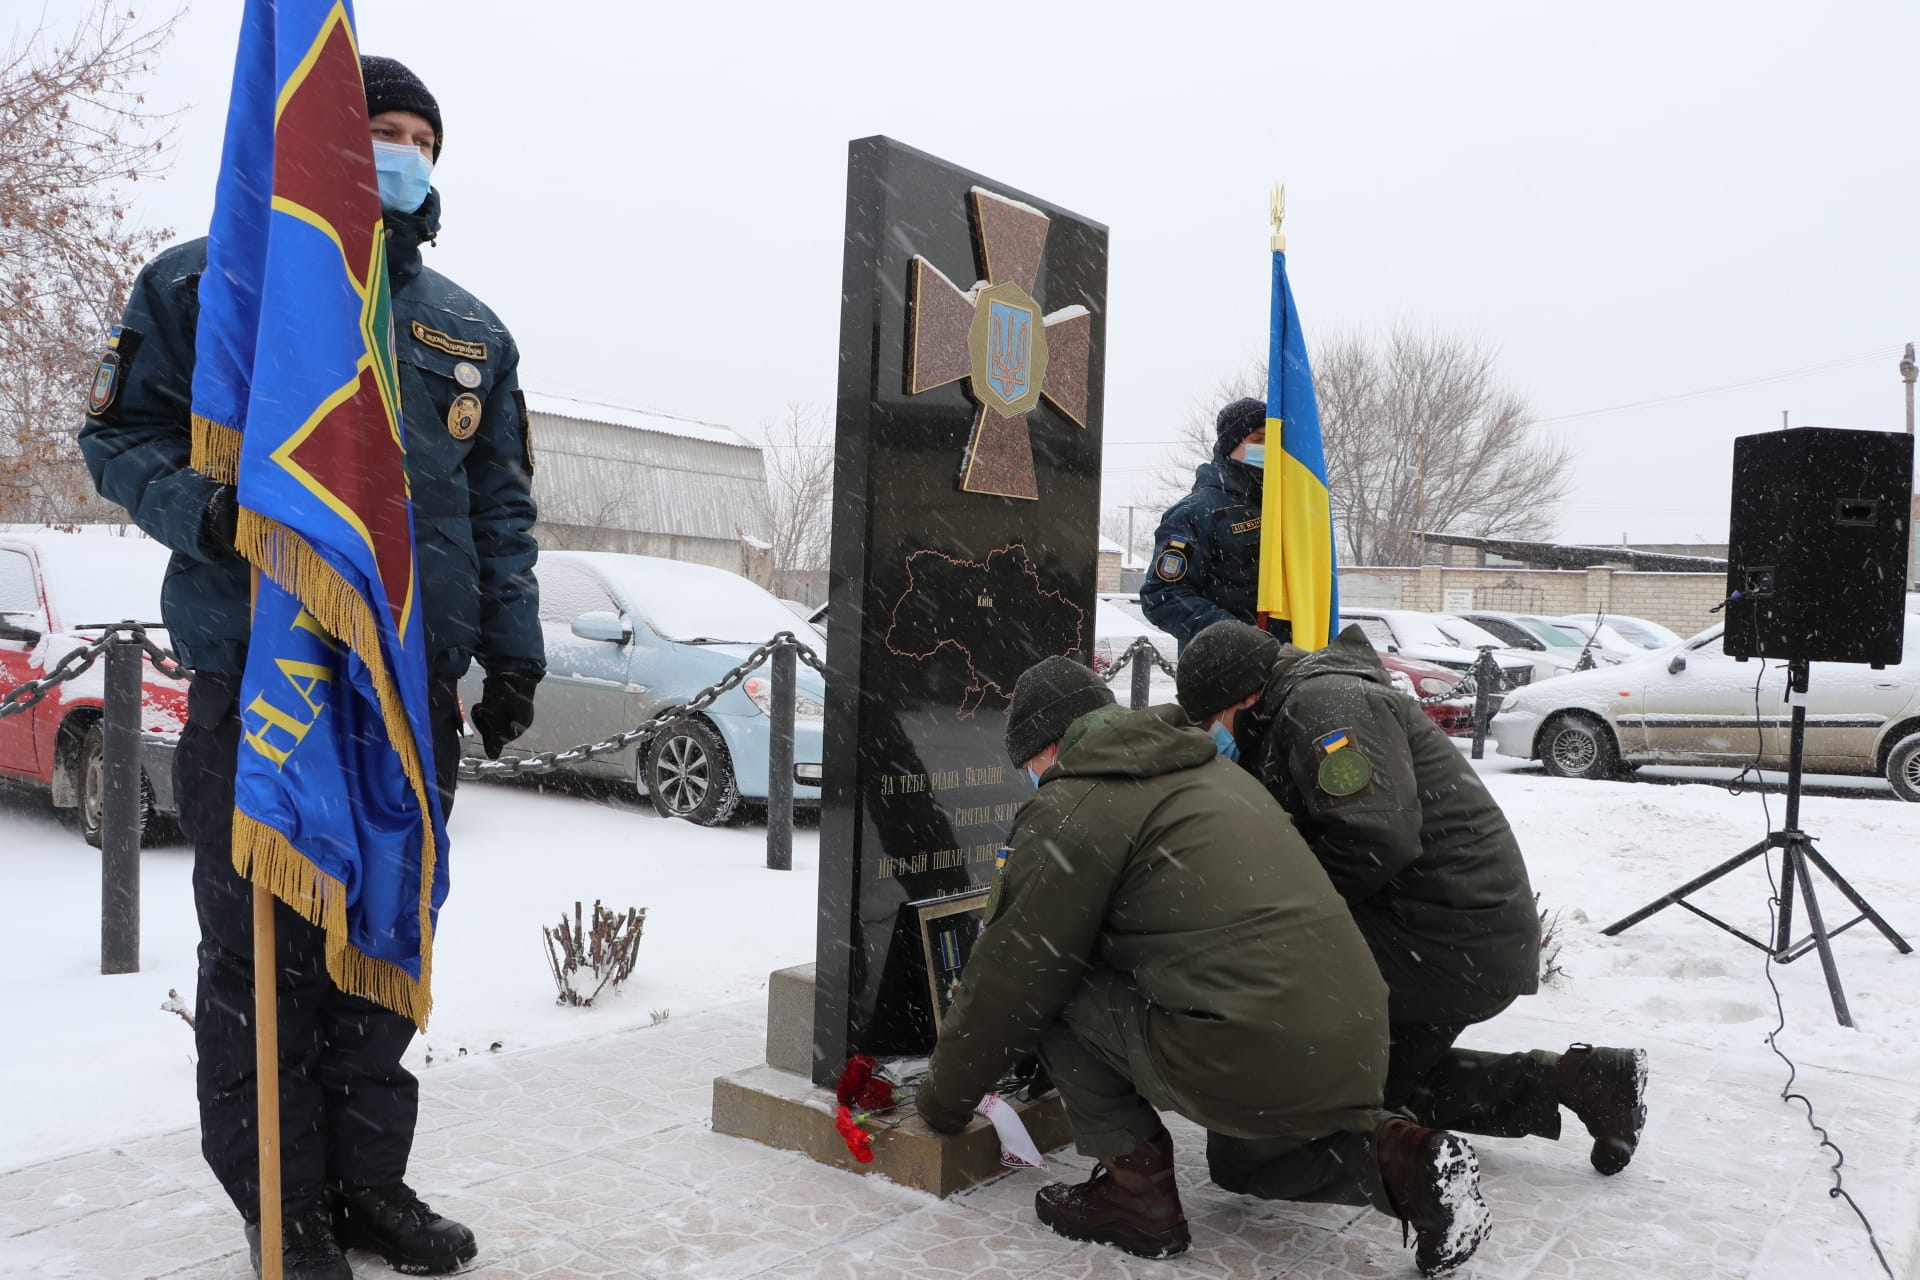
point(1607, 1089)
point(1131, 1202)
point(1433, 1179)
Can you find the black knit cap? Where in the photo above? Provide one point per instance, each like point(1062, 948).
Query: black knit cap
point(1223, 664)
point(391, 87)
point(1236, 422)
point(1049, 696)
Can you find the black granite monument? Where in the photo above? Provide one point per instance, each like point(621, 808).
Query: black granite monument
point(966, 513)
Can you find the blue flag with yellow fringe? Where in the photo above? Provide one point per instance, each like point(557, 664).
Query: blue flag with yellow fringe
point(296, 403)
point(1299, 580)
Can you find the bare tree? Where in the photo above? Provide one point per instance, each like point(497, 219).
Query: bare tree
point(798, 506)
point(74, 135)
point(1420, 435)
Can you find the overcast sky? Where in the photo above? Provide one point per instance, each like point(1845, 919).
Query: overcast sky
point(1630, 202)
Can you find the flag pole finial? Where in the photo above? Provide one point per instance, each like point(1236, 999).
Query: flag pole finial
point(1279, 216)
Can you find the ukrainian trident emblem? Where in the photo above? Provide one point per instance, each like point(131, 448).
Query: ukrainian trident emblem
point(995, 336)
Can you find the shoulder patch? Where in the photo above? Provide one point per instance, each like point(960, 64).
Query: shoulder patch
point(526, 426)
point(111, 372)
point(448, 343)
point(1171, 566)
point(1343, 770)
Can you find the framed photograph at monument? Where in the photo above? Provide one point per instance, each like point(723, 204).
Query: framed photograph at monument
point(948, 928)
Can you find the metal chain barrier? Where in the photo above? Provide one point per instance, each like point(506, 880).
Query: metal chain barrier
point(76, 662)
point(1141, 650)
point(547, 761)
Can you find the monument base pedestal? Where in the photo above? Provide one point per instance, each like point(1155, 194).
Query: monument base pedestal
point(780, 1106)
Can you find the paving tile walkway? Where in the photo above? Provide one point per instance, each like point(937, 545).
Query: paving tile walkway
point(594, 1160)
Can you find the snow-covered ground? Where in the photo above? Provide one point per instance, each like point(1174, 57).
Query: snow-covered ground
point(88, 1062)
point(98, 1061)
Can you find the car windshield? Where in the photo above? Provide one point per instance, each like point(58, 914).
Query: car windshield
point(1510, 632)
point(1557, 637)
point(102, 578)
point(695, 603)
point(1459, 631)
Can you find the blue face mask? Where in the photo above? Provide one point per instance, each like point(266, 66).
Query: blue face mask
point(1224, 741)
point(1256, 453)
point(405, 176)
point(1034, 776)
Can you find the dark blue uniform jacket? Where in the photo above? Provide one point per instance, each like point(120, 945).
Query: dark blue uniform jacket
point(1206, 553)
point(473, 507)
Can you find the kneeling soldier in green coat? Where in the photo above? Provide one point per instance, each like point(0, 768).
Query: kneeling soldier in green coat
point(1431, 870)
point(1165, 941)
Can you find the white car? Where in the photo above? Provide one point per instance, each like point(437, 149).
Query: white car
point(1693, 705)
point(1421, 635)
point(1602, 636)
point(1648, 635)
point(1531, 631)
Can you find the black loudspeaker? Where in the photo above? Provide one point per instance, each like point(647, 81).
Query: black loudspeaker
point(1817, 545)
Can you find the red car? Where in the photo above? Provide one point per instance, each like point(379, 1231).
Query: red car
point(52, 584)
point(1429, 680)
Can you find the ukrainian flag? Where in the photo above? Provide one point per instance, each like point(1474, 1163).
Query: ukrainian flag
point(1297, 573)
point(296, 403)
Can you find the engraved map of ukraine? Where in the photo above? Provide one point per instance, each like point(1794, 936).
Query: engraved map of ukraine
point(987, 618)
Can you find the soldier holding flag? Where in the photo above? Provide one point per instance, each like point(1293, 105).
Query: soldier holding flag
point(333, 774)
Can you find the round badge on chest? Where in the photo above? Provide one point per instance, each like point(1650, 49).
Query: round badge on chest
point(463, 416)
point(466, 375)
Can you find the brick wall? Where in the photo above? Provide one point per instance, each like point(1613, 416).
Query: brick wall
point(1676, 600)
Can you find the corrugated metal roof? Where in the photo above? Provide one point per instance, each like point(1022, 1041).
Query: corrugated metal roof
point(608, 468)
point(561, 406)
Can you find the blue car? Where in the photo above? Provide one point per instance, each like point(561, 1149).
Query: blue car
point(628, 636)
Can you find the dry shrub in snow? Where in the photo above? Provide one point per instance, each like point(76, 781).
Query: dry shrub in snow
point(1550, 943)
point(588, 958)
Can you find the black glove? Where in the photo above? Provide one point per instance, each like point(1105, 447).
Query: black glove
point(505, 709)
point(221, 520)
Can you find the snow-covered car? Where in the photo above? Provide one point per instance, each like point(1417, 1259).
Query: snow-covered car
point(53, 583)
point(1648, 635)
point(628, 637)
point(1531, 631)
point(1418, 635)
point(1601, 637)
point(1693, 705)
point(1427, 681)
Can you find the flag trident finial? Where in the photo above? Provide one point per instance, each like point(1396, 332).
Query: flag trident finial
point(1279, 216)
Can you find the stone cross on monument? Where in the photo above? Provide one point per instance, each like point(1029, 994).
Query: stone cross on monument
point(988, 335)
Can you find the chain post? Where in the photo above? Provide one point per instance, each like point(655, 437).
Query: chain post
point(120, 810)
point(1142, 672)
point(780, 757)
point(1486, 674)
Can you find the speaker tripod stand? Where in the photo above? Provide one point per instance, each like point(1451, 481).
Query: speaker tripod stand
point(1798, 859)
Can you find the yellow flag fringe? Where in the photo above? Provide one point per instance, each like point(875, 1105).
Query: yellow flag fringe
point(215, 451)
point(265, 857)
point(263, 854)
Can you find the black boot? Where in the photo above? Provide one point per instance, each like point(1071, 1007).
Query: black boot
point(392, 1222)
point(1131, 1202)
point(1433, 1179)
point(1607, 1089)
point(307, 1249)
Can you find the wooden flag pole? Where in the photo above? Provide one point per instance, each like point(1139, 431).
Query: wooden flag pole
point(266, 1048)
point(266, 1060)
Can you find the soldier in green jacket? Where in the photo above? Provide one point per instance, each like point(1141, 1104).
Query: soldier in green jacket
point(1165, 941)
point(1431, 870)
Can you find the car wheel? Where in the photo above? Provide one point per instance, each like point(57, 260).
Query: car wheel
point(690, 774)
point(92, 789)
point(1574, 746)
point(1903, 768)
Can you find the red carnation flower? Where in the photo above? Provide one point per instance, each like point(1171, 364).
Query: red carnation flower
point(859, 1141)
point(858, 1073)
